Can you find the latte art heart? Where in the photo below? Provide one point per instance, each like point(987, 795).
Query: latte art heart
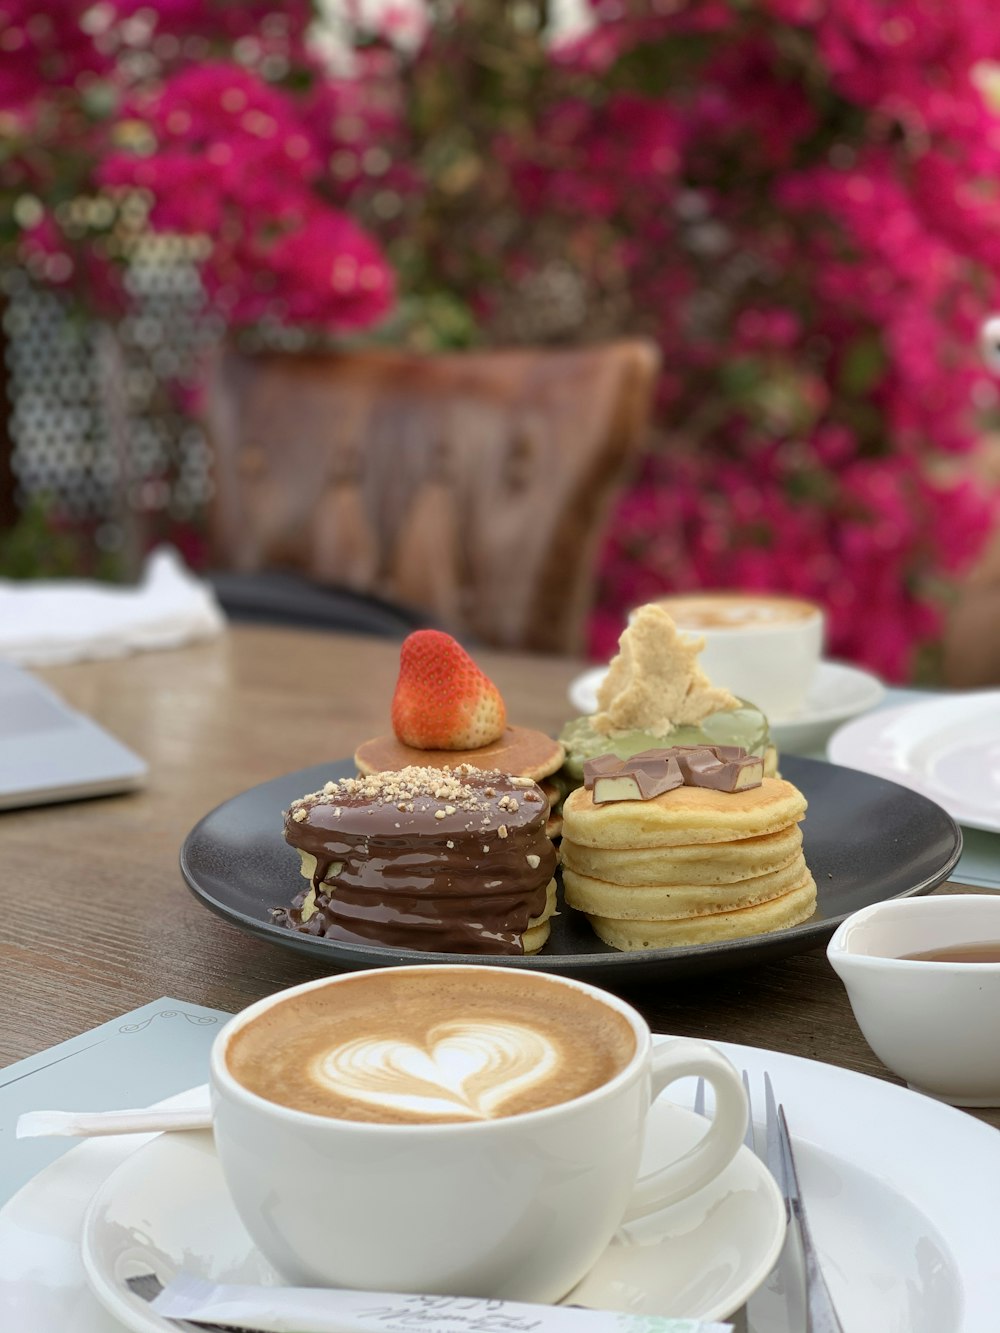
point(467, 1069)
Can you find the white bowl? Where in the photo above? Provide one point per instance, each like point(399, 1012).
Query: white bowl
point(935, 1024)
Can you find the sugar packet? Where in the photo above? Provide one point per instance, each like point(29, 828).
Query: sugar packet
point(254, 1309)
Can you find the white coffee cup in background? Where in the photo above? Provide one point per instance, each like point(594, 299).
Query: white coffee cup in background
point(763, 647)
point(499, 1201)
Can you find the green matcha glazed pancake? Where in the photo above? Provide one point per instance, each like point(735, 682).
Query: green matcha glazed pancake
point(655, 693)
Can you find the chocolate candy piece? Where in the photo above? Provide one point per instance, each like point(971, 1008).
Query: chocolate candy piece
point(616, 787)
point(723, 775)
point(654, 775)
point(729, 752)
point(640, 778)
point(723, 753)
point(604, 765)
point(652, 772)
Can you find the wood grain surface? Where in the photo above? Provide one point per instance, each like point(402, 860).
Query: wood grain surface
point(97, 920)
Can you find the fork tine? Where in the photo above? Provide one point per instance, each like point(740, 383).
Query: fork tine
point(791, 1175)
point(748, 1137)
point(699, 1098)
point(775, 1151)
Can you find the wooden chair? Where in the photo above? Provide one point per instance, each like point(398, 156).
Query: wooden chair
point(971, 656)
point(474, 487)
point(971, 659)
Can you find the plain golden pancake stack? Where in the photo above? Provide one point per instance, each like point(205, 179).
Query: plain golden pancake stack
point(690, 866)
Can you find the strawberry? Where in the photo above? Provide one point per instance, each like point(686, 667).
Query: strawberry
point(442, 700)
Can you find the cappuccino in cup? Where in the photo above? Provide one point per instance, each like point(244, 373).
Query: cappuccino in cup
point(408, 1048)
point(762, 647)
point(453, 1130)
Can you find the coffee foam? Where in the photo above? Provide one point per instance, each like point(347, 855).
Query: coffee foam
point(448, 1045)
point(737, 612)
point(463, 1068)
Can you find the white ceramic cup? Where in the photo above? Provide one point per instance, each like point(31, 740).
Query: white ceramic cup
point(763, 647)
point(935, 1024)
point(518, 1207)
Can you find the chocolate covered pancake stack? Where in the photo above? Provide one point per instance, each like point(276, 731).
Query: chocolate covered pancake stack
point(685, 845)
point(424, 858)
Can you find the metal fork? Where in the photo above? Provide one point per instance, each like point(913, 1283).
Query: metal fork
point(820, 1314)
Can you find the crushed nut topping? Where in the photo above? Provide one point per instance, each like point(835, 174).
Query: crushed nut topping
point(456, 786)
point(430, 792)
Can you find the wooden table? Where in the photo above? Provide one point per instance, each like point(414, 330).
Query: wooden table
point(96, 917)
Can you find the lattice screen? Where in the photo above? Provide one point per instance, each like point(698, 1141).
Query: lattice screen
point(102, 417)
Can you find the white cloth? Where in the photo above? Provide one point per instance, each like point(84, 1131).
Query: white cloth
point(49, 622)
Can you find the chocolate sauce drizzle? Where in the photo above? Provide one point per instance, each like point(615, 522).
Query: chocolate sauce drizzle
point(397, 864)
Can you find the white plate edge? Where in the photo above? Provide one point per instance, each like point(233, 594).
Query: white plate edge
point(865, 757)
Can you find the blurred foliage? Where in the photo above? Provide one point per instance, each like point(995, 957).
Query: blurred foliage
point(776, 192)
point(37, 546)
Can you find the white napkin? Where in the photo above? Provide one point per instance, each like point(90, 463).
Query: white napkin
point(49, 622)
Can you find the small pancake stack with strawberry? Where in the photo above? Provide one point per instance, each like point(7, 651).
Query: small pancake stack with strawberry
point(446, 712)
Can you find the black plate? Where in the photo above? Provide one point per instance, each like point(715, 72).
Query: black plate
point(865, 840)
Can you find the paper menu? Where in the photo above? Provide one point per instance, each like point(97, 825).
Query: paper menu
point(136, 1059)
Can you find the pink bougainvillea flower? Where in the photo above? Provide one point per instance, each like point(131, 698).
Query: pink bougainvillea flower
point(45, 48)
point(232, 159)
point(322, 272)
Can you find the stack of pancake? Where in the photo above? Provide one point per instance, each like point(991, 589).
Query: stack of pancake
point(520, 751)
point(420, 858)
point(691, 866)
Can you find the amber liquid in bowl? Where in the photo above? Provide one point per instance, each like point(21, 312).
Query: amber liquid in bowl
point(986, 951)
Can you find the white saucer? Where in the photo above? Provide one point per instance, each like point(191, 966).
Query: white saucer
point(946, 748)
point(166, 1208)
point(838, 692)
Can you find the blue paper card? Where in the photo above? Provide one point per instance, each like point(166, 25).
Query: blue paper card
point(134, 1060)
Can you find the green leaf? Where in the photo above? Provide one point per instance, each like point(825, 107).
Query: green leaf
point(863, 365)
point(741, 376)
point(100, 100)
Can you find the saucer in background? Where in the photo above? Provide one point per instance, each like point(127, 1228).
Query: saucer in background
point(838, 693)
